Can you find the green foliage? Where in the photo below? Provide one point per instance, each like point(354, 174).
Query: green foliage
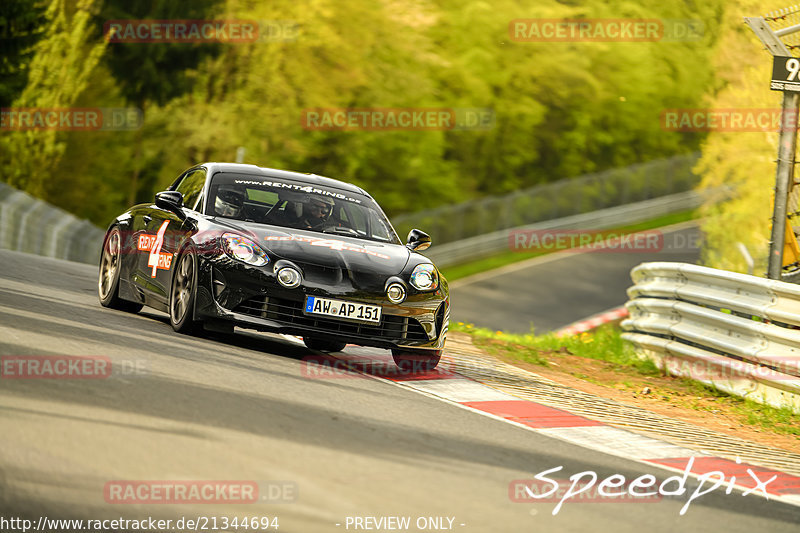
point(561, 109)
point(604, 343)
point(780, 420)
point(21, 26)
point(741, 161)
point(154, 72)
point(61, 68)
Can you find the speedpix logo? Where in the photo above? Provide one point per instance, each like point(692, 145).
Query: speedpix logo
point(587, 486)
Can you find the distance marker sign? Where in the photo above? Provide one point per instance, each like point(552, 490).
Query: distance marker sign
point(785, 74)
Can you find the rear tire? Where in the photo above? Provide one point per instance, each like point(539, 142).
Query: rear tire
point(409, 360)
point(182, 295)
point(108, 277)
point(322, 345)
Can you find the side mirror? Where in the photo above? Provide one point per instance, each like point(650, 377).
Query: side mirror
point(171, 201)
point(418, 240)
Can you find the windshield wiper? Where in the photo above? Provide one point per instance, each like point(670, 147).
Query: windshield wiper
point(342, 230)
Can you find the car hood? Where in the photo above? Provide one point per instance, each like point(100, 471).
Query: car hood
point(357, 256)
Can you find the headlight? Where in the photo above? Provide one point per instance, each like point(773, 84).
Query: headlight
point(243, 249)
point(424, 277)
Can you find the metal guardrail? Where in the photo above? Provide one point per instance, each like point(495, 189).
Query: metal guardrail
point(735, 332)
point(496, 242)
point(34, 226)
point(558, 199)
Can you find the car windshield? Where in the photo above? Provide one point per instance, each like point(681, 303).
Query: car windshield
point(293, 204)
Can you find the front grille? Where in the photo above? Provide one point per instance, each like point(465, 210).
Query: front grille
point(440, 318)
point(321, 274)
point(391, 327)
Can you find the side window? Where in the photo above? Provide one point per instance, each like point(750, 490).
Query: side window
point(199, 202)
point(191, 186)
point(378, 227)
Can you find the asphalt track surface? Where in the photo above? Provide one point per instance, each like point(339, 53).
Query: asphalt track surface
point(241, 408)
point(553, 291)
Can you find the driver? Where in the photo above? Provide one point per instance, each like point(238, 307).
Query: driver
point(229, 201)
point(316, 212)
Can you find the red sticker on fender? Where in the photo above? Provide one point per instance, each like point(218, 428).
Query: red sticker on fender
point(153, 244)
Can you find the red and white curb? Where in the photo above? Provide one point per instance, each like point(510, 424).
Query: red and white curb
point(593, 321)
point(565, 426)
point(587, 433)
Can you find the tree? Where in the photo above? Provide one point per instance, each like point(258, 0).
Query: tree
point(743, 163)
point(61, 66)
point(157, 72)
point(21, 26)
point(561, 109)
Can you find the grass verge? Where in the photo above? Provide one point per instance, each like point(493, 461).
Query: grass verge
point(463, 270)
point(603, 358)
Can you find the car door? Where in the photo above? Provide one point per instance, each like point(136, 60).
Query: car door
point(164, 234)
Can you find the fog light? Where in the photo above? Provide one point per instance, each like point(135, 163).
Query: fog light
point(396, 293)
point(289, 277)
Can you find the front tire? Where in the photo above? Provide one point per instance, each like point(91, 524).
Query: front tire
point(182, 294)
point(321, 345)
point(409, 360)
point(108, 278)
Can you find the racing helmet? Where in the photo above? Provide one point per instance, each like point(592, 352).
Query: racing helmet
point(229, 201)
point(323, 203)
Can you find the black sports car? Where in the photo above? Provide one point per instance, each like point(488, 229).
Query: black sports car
point(239, 245)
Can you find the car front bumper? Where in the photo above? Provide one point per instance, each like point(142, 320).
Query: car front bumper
point(250, 297)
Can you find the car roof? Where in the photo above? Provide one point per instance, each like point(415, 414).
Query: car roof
point(311, 179)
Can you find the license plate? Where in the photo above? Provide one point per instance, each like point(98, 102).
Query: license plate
point(342, 309)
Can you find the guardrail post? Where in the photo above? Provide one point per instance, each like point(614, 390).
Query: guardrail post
point(784, 176)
